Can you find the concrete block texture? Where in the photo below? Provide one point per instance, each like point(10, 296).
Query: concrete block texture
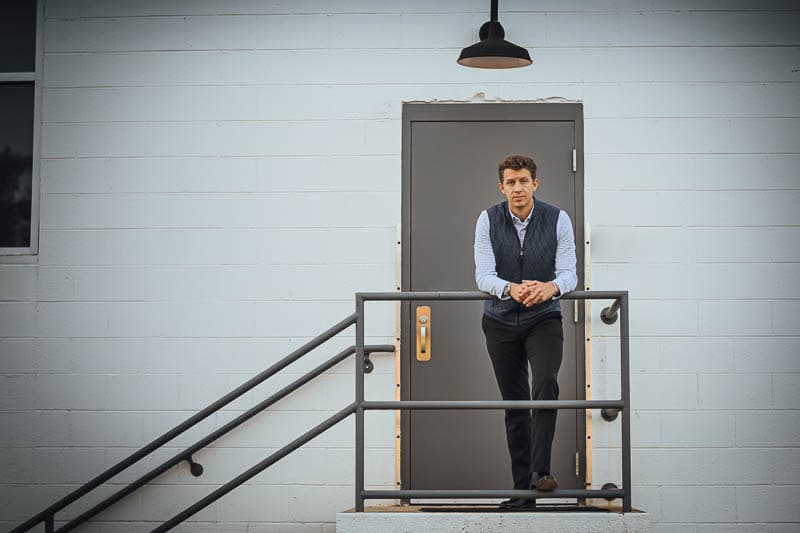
point(331, 102)
point(704, 280)
point(786, 466)
point(201, 246)
point(380, 66)
point(784, 317)
point(735, 466)
point(767, 504)
point(698, 428)
point(244, 210)
point(776, 354)
point(732, 318)
point(776, 428)
point(17, 282)
point(786, 391)
point(201, 174)
point(735, 391)
point(664, 391)
point(218, 178)
point(689, 172)
point(683, 503)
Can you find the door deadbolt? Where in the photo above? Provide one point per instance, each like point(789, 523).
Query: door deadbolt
point(423, 328)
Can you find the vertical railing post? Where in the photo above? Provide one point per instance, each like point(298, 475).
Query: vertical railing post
point(50, 523)
point(359, 404)
point(626, 399)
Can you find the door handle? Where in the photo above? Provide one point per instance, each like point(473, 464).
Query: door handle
point(423, 328)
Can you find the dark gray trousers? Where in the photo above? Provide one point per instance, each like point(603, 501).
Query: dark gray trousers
point(529, 431)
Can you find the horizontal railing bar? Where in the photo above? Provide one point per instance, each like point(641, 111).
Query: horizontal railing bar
point(256, 469)
point(478, 493)
point(418, 295)
point(477, 295)
point(494, 404)
point(211, 437)
point(188, 423)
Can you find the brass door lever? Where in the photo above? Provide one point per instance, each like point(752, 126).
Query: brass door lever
point(423, 333)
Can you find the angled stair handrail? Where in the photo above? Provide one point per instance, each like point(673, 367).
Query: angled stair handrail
point(256, 469)
point(47, 516)
point(211, 437)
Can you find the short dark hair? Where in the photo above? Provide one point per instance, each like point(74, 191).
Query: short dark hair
point(517, 162)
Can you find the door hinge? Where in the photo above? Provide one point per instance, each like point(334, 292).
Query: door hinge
point(574, 160)
point(575, 311)
point(577, 464)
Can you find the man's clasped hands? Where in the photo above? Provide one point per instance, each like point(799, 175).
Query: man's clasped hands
point(531, 292)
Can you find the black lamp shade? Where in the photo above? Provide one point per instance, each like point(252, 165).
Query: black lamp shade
point(493, 51)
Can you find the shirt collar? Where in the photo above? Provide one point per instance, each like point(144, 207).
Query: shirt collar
point(515, 218)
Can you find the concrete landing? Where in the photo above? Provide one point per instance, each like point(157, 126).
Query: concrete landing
point(471, 518)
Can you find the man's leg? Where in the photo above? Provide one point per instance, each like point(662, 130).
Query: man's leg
point(544, 347)
point(506, 350)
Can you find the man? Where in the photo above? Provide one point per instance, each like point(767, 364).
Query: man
point(525, 256)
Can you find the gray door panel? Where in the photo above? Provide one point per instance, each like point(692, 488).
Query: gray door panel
point(452, 171)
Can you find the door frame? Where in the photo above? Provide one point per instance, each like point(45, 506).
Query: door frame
point(487, 112)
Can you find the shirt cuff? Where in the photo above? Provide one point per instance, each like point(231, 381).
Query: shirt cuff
point(501, 288)
point(560, 290)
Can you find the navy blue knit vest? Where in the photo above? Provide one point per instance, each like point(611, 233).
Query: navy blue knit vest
point(535, 260)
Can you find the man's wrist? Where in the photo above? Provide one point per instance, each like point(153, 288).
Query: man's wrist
point(557, 289)
point(506, 290)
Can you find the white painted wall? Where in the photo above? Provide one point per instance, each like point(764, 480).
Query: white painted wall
point(218, 178)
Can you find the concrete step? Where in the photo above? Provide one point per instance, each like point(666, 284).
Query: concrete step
point(487, 518)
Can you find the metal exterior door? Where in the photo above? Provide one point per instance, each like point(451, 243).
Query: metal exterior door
point(450, 158)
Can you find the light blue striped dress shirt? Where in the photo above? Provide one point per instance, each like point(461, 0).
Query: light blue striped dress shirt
point(486, 268)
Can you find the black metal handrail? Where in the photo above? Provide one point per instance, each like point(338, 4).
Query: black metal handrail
point(211, 437)
point(620, 304)
point(252, 471)
point(47, 516)
point(358, 407)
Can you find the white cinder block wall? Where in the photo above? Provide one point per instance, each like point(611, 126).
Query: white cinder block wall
point(218, 178)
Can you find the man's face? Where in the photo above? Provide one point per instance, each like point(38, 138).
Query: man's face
point(518, 187)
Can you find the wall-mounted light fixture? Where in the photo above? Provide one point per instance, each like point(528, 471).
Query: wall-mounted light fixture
point(493, 51)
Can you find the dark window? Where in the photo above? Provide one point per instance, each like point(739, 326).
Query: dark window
point(17, 56)
point(16, 163)
point(17, 35)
